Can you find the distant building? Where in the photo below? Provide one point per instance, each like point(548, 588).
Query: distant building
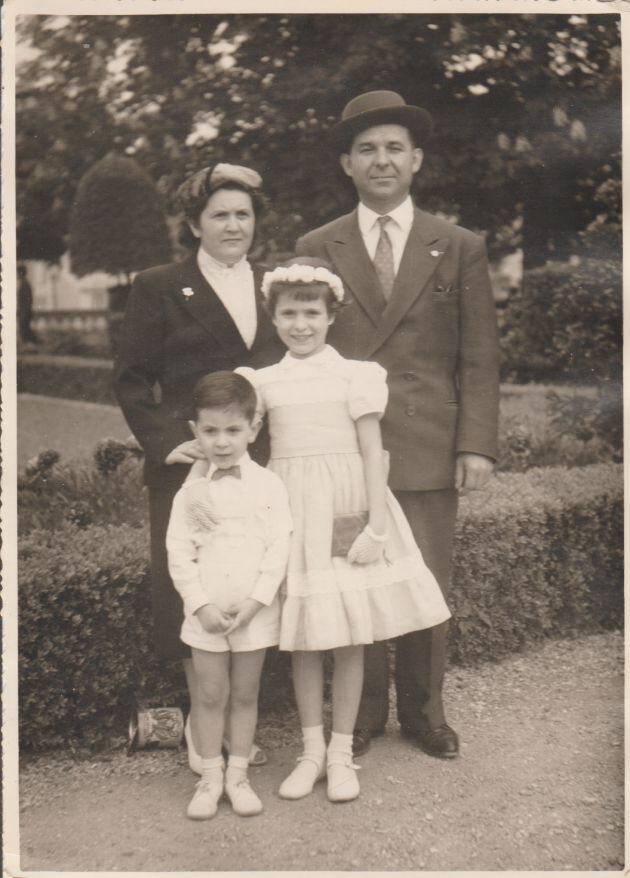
point(55, 288)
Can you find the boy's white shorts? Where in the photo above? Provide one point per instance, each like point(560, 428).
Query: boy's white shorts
point(262, 631)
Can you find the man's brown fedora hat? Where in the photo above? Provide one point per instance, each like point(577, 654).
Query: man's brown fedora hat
point(380, 108)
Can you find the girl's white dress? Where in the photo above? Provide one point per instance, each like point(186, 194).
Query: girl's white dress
point(312, 405)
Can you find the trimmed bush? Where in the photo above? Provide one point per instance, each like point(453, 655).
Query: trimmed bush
point(538, 554)
point(50, 494)
point(566, 324)
point(83, 378)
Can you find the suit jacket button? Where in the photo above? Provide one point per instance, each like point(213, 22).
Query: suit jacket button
point(410, 410)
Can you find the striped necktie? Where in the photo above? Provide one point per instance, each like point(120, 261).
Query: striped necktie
point(384, 259)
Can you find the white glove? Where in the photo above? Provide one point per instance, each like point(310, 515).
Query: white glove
point(368, 547)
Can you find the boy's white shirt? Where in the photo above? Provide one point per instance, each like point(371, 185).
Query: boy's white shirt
point(270, 497)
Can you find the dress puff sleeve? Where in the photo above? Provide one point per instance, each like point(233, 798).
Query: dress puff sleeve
point(250, 374)
point(367, 390)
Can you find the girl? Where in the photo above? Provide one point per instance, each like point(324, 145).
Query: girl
point(355, 574)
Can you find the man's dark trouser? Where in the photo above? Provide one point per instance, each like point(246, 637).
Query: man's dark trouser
point(420, 655)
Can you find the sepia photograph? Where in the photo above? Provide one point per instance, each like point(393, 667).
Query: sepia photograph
point(313, 438)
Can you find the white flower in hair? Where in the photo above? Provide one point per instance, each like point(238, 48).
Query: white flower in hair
point(305, 274)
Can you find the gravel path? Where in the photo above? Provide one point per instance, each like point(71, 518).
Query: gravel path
point(539, 786)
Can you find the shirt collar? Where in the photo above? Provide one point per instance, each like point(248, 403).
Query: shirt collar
point(324, 357)
point(209, 264)
point(401, 215)
point(244, 461)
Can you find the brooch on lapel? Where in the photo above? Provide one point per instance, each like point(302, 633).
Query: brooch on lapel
point(188, 292)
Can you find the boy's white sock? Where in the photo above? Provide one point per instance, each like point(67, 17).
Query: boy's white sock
point(236, 768)
point(212, 769)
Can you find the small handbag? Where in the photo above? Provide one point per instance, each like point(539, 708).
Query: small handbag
point(346, 528)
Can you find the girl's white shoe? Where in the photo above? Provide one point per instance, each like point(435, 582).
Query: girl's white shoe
point(205, 802)
point(343, 784)
point(243, 799)
point(300, 782)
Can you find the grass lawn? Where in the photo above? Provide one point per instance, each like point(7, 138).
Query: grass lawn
point(71, 428)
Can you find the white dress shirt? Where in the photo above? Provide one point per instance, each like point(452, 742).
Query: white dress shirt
point(243, 552)
point(234, 285)
point(398, 229)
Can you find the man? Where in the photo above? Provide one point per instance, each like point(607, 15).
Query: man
point(25, 306)
point(422, 307)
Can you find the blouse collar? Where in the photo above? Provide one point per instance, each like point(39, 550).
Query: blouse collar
point(327, 356)
point(209, 264)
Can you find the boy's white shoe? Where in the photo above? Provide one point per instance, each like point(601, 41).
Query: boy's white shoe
point(343, 784)
point(300, 782)
point(256, 755)
point(243, 799)
point(205, 802)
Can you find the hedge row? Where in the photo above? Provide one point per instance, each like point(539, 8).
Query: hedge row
point(82, 378)
point(566, 324)
point(539, 554)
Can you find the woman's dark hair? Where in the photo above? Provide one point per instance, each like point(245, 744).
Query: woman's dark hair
point(224, 390)
point(193, 195)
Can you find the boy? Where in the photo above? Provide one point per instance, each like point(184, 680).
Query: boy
point(228, 546)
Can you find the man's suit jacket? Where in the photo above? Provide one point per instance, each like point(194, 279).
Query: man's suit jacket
point(170, 339)
point(437, 338)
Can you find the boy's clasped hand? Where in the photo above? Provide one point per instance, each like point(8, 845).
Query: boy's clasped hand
point(217, 621)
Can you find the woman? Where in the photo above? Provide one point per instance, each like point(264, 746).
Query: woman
point(182, 321)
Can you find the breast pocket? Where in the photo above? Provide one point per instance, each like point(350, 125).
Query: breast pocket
point(445, 294)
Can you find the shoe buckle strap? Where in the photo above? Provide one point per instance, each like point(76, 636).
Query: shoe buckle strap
point(341, 761)
point(306, 758)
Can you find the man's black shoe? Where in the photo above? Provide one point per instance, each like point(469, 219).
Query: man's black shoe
point(362, 738)
point(441, 742)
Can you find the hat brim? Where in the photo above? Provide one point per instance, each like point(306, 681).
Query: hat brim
point(416, 119)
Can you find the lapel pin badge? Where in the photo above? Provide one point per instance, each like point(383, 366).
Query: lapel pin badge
point(188, 292)
point(436, 253)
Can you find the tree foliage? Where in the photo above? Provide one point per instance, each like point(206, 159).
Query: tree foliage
point(526, 107)
point(117, 222)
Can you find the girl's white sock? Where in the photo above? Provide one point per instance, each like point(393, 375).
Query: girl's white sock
point(340, 744)
point(236, 768)
point(314, 743)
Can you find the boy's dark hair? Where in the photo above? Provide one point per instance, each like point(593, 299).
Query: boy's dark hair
point(224, 390)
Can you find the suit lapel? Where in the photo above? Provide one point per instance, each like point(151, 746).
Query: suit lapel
point(207, 308)
point(347, 252)
point(422, 255)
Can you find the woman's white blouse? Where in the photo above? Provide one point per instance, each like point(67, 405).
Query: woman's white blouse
point(234, 285)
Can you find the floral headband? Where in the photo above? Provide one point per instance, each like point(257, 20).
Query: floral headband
point(302, 274)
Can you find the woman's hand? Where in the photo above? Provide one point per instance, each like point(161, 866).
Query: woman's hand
point(185, 452)
point(213, 620)
point(367, 548)
point(243, 613)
